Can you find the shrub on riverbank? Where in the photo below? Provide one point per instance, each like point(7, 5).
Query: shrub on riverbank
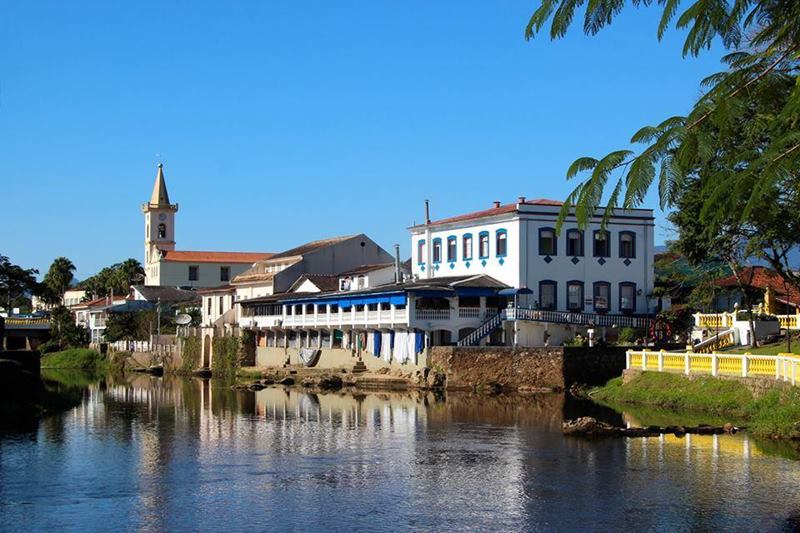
point(82, 358)
point(775, 414)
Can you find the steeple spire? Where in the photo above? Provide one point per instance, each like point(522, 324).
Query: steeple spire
point(160, 197)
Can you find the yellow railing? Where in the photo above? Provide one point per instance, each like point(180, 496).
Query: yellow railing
point(724, 340)
point(713, 320)
point(788, 321)
point(26, 321)
point(782, 367)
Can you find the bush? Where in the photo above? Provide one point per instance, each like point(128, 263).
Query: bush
point(225, 359)
point(190, 354)
point(82, 358)
point(626, 336)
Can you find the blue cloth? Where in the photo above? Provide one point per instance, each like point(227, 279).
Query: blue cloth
point(419, 342)
point(377, 343)
point(391, 339)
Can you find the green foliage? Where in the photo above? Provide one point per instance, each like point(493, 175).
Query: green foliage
point(627, 336)
point(680, 320)
point(75, 358)
point(15, 283)
point(775, 414)
point(740, 140)
point(58, 279)
point(190, 354)
point(64, 332)
point(117, 278)
point(225, 359)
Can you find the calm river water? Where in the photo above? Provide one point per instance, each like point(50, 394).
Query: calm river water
point(153, 454)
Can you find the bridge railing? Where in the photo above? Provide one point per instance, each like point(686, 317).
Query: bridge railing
point(782, 367)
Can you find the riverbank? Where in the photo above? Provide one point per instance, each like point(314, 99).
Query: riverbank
point(773, 414)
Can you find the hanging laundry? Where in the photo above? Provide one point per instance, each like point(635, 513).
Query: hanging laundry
point(386, 346)
point(376, 343)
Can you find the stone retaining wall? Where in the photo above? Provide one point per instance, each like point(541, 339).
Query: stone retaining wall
point(526, 368)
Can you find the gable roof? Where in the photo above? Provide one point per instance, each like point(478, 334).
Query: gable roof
point(499, 210)
point(364, 269)
point(183, 256)
point(761, 277)
point(311, 247)
point(324, 282)
point(153, 293)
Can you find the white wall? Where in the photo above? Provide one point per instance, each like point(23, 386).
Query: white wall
point(175, 274)
point(523, 266)
point(211, 306)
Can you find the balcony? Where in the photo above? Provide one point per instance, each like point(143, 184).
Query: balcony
point(432, 314)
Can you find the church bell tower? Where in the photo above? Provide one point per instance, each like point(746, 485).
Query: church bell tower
point(159, 223)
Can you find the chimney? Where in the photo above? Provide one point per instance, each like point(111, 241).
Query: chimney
point(496, 204)
point(427, 212)
point(398, 276)
point(521, 200)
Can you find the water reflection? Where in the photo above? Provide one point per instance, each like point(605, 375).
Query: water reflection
point(151, 454)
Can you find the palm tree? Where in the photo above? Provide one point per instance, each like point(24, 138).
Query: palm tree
point(59, 278)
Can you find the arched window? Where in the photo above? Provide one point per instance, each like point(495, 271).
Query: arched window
point(451, 249)
point(162, 231)
point(466, 242)
point(627, 297)
point(483, 245)
point(501, 243)
point(602, 243)
point(627, 244)
point(602, 296)
point(575, 296)
point(548, 296)
point(420, 252)
point(575, 243)
point(437, 250)
point(547, 241)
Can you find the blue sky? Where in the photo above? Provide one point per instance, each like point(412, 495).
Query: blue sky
point(284, 122)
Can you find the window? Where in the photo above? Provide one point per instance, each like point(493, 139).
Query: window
point(466, 241)
point(575, 243)
point(221, 304)
point(602, 296)
point(602, 244)
point(501, 243)
point(547, 294)
point(225, 273)
point(575, 295)
point(451, 249)
point(162, 231)
point(547, 241)
point(437, 250)
point(483, 245)
point(627, 244)
point(627, 297)
point(193, 272)
point(208, 306)
point(420, 252)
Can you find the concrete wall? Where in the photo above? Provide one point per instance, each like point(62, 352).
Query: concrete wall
point(330, 358)
point(176, 274)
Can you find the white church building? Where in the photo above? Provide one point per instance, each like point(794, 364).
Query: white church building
point(166, 266)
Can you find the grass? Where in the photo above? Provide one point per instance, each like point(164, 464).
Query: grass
point(249, 372)
point(769, 349)
point(776, 414)
point(76, 358)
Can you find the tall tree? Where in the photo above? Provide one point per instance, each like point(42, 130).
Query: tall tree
point(764, 39)
point(59, 278)
point(16, 283)
point(117, 278)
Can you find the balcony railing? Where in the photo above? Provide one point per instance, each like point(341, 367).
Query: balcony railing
point(432, 314)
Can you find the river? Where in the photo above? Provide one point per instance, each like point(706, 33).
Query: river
point(168, 454)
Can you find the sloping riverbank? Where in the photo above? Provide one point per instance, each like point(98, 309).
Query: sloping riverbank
point(774, 414)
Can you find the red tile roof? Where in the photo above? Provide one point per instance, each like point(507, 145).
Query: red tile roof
point(214, 257)
point(507, 208)
point(761, 277)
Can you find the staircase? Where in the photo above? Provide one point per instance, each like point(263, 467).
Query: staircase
point(721, 340)
point(359, 367)
point(482, 331)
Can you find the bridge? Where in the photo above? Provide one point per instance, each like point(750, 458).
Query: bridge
point(23, 333)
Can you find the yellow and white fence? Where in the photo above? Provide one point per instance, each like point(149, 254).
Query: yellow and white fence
point(726, 320)
point(783, 367)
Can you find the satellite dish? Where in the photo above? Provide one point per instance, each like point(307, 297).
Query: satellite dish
point(183, 319)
